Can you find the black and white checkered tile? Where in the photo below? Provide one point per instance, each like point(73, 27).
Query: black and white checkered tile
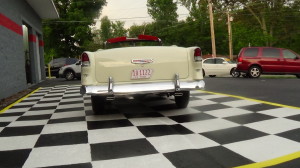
point(56, 127)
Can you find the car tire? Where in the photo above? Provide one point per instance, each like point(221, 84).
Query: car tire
point(298, 75)
point(183, 101)
point(235, 74)
point(212, 76)
point(254, 72)
point(98, 104)
point(69, 75)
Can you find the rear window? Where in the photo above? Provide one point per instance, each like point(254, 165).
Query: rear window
point(209, 61)
point(71, 61)
point(271, 53)
point(251, 52)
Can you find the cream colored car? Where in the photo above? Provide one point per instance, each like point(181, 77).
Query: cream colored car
point(219, 66)
point(136, 70)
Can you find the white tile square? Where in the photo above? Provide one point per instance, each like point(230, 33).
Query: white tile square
point(68, 114)
point(281, 112)
point(114, 134)
point(34, 98)
point(49, 99)
point(221, 113)
point(16, 110)
point(64, 127)
point(70, 100)
point(39, 112)
point(46, 104)
point(152, 121)
point(18, 142)
point(9, 119)
point(274, 126)
point(70, 95)
point(105, 117)
point(58, 155)
point(212, 96)
point(240, 103)
point(264, 148)
point(27, 123)
point(147, 161)
point(70, 106)
point(26, 103)
point(172, 143)
point(209, 125)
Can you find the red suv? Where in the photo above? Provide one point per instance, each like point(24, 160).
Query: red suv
point(254, 61)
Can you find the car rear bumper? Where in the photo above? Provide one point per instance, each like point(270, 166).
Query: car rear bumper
point(142, 88)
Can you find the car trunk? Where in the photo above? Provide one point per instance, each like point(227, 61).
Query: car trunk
point(141, 64)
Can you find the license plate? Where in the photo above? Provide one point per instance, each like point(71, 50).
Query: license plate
point(141, 73)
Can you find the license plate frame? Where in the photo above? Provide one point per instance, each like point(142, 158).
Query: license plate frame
point(141, 74)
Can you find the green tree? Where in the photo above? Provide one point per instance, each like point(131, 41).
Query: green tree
point(69, 35)
point(105, 29)
point(118, 29)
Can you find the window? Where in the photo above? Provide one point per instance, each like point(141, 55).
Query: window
point(251, 52)
point(288, 54)
point(271, 53)
point(209, 61)
point(219, 61)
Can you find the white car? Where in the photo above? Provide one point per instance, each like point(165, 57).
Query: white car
point(219, 66)
point(70, 71)
point(135, 69)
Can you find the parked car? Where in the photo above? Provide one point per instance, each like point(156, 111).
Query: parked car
point(57, 63)
point(140, 70)
point(254, 61)
point(71, 71)
point(219, 67)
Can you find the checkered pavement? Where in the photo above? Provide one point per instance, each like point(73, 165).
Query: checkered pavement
point(55, 127)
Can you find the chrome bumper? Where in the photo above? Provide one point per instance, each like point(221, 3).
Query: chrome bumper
point(141, 88)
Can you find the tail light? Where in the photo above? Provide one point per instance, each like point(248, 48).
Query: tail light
point(240, 60)
point(85, 59)
point(198, 55)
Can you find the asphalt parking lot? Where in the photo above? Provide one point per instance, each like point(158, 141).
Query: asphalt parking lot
point(55, 126)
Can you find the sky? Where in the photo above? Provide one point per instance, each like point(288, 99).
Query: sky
point(132, 11)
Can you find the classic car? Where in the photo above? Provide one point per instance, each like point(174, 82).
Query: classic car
point(131, 68)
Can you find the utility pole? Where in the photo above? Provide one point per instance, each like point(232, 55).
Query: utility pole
point(212, 29)
point(229, 19)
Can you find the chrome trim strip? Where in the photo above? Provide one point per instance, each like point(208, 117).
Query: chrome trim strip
point(141, 88)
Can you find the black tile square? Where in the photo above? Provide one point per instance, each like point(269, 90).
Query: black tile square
point(48, 101)
point(19, 131)
point(249, 118)
point(80, 165)
point(11, 114)
point(69, 138)
point(65, 120)
point(289, 164)
point(14, 158)
point(231, 135)
point(52, 96)
point(292, 135)
point(72, 97)
point(224, 99)
point(259, 107)
point(121, 149)
point(108, 124)
point(215, 157)
point(31, 100)
point(210, 107)
point(295, 117)
point(161, 130)
point(71, 102)
point(35, 117)
point(69, 109)
point(143, 115)
point(42, 108)
point(4, 124)
point(192, 117)
point(21, 106)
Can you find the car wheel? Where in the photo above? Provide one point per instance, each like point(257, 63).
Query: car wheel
point(298, 76)
point(212, 76)
point(69, 75)
point(98, 104)
point(235, 74)
point(183, 101)
point(254, 72)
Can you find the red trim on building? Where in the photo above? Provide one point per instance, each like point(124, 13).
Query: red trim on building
point(41, 43)
point(11, 25)
point(32, 38)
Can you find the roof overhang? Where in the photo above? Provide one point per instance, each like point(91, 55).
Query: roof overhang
point(44, 8)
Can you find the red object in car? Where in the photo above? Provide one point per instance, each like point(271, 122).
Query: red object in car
point(254, 61)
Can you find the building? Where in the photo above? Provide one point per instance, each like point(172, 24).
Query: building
point(21, 44)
